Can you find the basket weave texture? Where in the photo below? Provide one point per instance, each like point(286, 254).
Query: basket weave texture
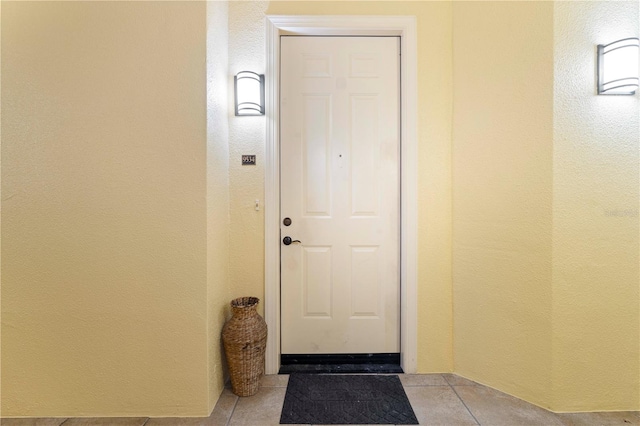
point(245, 339)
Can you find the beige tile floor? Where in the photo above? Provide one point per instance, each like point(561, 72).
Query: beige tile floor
point(437, 399)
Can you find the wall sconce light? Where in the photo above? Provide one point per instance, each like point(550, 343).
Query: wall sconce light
point(249, 93)
point(618, 67)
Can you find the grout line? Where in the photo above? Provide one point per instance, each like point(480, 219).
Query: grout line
point(462, 400)
point(233, 410)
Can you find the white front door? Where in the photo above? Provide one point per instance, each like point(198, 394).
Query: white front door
point(340, 189)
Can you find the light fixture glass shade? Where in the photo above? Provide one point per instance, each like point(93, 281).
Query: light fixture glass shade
point(249, 93)
point(618, 67)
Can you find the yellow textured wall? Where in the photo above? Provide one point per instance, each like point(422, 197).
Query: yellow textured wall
point(502, 199)
point(246, 136)
point(546, 199)
point(1, 198)
point(434, 162)
point(218, 285)
point(104, 212)
point(596, 305)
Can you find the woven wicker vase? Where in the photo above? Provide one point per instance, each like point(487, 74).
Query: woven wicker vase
point(245, 338)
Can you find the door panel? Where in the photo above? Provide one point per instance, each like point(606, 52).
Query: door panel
point(317, 281)
point(316, 144)
point(340, 184)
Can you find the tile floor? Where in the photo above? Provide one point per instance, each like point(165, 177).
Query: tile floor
point(437, 399)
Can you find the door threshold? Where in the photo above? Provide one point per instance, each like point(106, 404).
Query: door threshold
point(341, 369)
point(388, 363)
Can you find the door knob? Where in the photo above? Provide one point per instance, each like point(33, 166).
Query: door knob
point(288, 240)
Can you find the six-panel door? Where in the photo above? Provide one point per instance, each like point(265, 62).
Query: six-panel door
point(340, 145)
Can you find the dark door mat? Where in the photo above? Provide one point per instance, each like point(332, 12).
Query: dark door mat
point(346, 399)
point(340, 368)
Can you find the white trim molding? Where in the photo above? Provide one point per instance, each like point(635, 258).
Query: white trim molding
point(405, 27)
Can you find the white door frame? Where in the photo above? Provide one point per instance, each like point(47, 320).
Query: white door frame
point(405, 27)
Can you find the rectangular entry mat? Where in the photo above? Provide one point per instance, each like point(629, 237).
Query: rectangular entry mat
point(346, 399)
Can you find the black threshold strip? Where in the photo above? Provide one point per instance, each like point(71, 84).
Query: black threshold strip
point(340, 363)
